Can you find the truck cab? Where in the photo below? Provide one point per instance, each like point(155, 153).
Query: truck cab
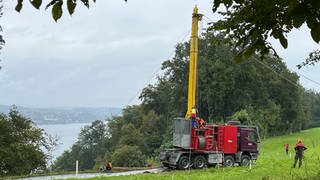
point(248, 144)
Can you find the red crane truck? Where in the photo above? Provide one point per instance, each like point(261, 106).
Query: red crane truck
point(225, 144)
point(197, 147)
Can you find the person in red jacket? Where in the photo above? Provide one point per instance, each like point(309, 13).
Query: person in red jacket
point(287, 148)
point(299, 148)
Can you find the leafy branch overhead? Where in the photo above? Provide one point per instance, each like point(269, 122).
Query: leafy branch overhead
point(56, 6)
point(249, 23)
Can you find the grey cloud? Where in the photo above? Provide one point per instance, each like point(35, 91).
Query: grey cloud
point(103, 56)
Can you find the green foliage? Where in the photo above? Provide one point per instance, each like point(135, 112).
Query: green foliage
point(93, 141)
point(19, 5)
point(56, 5)
point(249, 23)
point(36, 3)
point(153, 129)
point(131, 115)
point(21, 145)
point(130, 156)
point(134, 128)
point(71, 4)
point(130, 135)
point(242, 116)
point(267, 90)
point(313, 104)
point(314, 57)
point(57, 10)
point(66, 161)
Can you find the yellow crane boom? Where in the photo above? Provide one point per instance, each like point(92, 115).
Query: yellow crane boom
point(192, 83)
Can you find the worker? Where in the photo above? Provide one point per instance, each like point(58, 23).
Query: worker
point(109, 165)
point(299, 148)
point(202, 123)
point(198, 122)
point(193, 116)
point(286, 146)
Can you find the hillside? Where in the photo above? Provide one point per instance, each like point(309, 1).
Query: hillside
point(64, 115)
point(272, 163)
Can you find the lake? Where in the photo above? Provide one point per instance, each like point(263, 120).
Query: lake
point(67, 134)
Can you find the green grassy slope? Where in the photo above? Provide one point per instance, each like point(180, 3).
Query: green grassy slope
point(273, 163)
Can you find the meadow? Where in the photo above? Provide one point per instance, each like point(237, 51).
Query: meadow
point(273, 163)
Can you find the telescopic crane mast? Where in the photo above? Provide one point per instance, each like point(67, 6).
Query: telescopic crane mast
point(192, 83)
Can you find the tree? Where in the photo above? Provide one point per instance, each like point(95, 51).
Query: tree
point(130, 156)
point(154, 130)
point(21, 144)
point(266, 89)
point(313, 104)
point(130, 136)
point(117, 126)
point(65, 161)
point(249, 23)
point(93, 141)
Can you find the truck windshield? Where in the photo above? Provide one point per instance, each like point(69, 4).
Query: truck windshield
point(252, 136)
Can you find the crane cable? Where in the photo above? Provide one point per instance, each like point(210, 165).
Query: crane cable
point(211, 22)
point(308, 78)
point(280, 75)
point(197, 72)
point(283, 77)
point(205, 55)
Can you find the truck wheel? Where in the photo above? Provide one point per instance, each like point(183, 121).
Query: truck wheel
point(165, 165)
point(245, 160)
point(183, 163)
point(228, 161)
point(199, 162)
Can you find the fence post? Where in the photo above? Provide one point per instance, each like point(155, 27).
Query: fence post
point(77, 166)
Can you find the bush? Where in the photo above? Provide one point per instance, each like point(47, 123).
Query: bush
point(128, 156)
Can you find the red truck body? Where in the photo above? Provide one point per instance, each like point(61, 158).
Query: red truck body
point(225, 138)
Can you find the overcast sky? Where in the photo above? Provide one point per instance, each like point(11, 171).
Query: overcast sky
point(105, 55)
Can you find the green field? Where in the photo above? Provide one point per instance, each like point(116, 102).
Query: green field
point(273, 163)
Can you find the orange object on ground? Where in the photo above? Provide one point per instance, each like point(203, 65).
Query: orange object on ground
point(109, 165)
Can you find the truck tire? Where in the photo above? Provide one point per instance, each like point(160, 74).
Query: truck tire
point(183, 163)
point(199, 162)
point(245, 160)
point(228, 161)
point(165, 165)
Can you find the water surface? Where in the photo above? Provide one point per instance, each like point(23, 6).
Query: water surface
point(67, 134)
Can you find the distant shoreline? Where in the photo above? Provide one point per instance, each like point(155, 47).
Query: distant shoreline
point(64, 115)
